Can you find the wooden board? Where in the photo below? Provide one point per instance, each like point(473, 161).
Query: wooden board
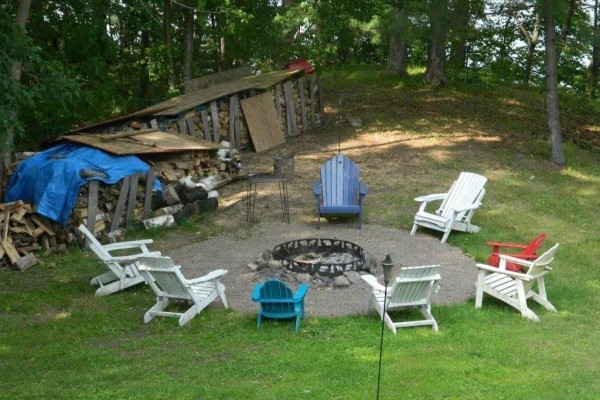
point(147, 143)
point(261, 118)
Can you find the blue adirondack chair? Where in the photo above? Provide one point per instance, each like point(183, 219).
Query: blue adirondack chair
point(276, 300)
point(340, 190)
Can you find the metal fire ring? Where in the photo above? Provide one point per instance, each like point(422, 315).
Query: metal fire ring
point(289, 252)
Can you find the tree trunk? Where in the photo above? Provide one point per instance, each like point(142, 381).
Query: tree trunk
point(398, 50)
point(144, 83)
point(188, 44)
point(17, 68)
point(436, 54)
point(460, 32)
point(594, 67)
point(552, 101)
point(168, 44)
point(531, 39)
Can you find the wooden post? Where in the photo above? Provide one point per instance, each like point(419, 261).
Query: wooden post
point(120, 203)
point(302, 104)
point(92, 205)
point(153, 124)
point(131, 199)
point(149, 192)
point(214, 116)
point(320, 91)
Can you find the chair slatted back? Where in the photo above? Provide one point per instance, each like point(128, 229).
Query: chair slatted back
point(274, 290)
point(539, 265)
point(164, 277)
point(414, 285)
point(94, 244)
point(465, 191)
point(340, 181)
point(534, 245)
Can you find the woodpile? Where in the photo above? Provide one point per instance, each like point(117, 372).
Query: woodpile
point(23, 233)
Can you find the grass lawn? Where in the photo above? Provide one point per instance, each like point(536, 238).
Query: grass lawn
point(58, 341)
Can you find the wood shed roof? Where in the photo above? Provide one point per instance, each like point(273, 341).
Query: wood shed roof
point(147, 141)
point(179, 104)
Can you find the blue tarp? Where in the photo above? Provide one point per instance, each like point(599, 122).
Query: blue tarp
point(51, 179)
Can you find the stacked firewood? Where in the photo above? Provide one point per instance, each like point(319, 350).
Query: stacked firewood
point(25, 232)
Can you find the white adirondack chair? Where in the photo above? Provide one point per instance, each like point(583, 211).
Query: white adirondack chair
point(413, 288)
point(122, 270)
point(514, 288)
point(457, 208)
point(168, 283)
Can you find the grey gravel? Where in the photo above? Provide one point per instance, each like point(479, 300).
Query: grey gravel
point(235, 251)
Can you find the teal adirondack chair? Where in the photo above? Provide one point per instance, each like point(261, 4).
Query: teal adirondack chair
point(340, 191)
point(276, 300)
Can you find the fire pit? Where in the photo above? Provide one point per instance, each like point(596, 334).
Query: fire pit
point(326, 257)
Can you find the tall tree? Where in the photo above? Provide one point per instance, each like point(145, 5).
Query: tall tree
point(531, 38)
point(436, 54)
point(188, 43)
point(594, 67)
point(552, 100)
point(460, 27)
point(16, 70)
point(169, 43)
point(397, 60)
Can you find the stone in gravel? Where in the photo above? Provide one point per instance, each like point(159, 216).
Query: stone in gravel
point(352, 276)
point(266, 255)
point(253, 266)
point(303, 278)
point(262, 265)
point(275, 264)
point(341, 281)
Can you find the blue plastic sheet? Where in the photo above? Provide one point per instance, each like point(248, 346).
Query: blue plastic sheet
point(51, 179)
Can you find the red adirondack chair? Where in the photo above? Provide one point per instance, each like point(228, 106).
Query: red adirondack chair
point(528, 252)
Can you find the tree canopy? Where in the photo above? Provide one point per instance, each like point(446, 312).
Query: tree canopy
point(84, 61)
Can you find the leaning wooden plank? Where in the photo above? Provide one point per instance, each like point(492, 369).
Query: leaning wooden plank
point(181, 124)
point(278, 101)
point(38, 221)
point(125, 134)
point(288, 90)
point(263, 126)
point(92, 204)
point(233, 102)
point(214, 116)
point(191, 127)
point(205, 127)
point(302, 104)
point(131, 200)
point(311, 92)
point(2, 252)
point(11, 251)
point(153, 124)
point(26, 262)
point(6, 224)
point(120, 203)
point(148, 194)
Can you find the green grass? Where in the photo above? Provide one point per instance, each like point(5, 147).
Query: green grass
point(58, 341)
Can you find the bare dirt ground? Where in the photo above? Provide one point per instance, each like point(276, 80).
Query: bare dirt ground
point(392, 165)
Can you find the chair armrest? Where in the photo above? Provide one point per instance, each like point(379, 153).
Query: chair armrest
point(211, 276)
point(362, 189)
point(518, 275)
point(509, 245)
point(256, 292)
point(473, 206)
point(301, 292)
point(372, 281)
point(317, 189)
point(431, 197)
point(132, 257)
point(127, 245)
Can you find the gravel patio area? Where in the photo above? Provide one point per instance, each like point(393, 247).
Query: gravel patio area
point(234, 251)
